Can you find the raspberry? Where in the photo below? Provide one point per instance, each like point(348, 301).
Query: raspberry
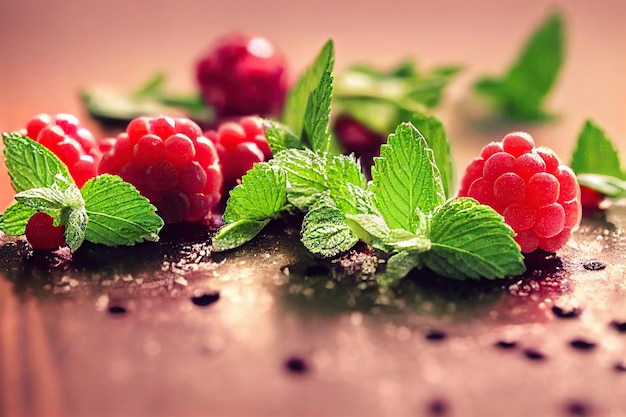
point(239, 145)
point(243, 75)
point(590, 198)
point(537, 195)
point(356, 138)
point(42, 234)
point(171, 163)
point(74, 145)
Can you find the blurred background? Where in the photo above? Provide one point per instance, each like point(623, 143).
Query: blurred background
point(50, 50)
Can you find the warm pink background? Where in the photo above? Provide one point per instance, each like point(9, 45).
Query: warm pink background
point(50, 49)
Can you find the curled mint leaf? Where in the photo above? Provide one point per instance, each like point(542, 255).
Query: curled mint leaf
point(399, 266)
point(75, 227)
point(13, 221)
point(235, 234)
point(325, 231)
point(471, 240)
point(48, 200)
point(520, 93)
point(30, 165)
point(118, 214)
point(406, 177)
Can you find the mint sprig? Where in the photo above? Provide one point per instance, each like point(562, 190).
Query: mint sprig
point(106, 210)
point(521, 91)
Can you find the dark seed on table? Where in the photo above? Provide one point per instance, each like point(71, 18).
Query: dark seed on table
point(582, 344)
point(205, 299)
point(594, 265)
point(620, 367)
point(568, 312)
point(437, 407)
point(296, 365)
point(117, 310)
point(577, 408)
point(435, 335)
point(506, 344)
point(534, 355)
point(620, 326)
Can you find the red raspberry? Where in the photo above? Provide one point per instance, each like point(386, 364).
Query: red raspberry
point(590, 199)
point(42, 234)
point(242, 75)
point(356, 138)
point(239, 146)
point(74, 145)
point(537, 195)
point(171, 163)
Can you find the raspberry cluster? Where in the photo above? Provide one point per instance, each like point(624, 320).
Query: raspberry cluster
point(73, 144)
point(239, 145)
point(242, 75)
point(171, 163)
point(538, 196)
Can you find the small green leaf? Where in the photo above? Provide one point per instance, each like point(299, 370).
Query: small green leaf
point(317, 115)
point(118, 214)
point(306, 176)
point(521, 91)
point(297, 101)
point(399, 266)
point(374, 225)
point(402, 240)
point(325, 231)
point(47, 200)
point(344, 169)
point(261, 195)
point(347, 185)
point(406, 177)
point(75, 228)
point(595, 153)
point(13, 221)
point(434, 133)
point(30, 165)
point(280, 137)
point(471, 240)
point(235, 234)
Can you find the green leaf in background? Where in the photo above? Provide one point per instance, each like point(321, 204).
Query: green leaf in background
point(118, 214)
point(298, 97)
point(399, 266)
point(434, 133)
point(13, 221)
point(471, 240)
point(261, 195)
point(405, 177)
point(325, 231)
point(520, 93)
point(317, 115)
point(306, 175)
point(280, 137)
point(233, 235)
point(595, 153)
point(30, 165)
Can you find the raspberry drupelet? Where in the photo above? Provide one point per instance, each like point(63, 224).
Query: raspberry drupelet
point(538, 196)
point(42, 234)
point(73, 144)
point(171, 163)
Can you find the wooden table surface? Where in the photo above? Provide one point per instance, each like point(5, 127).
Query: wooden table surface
point(125, 332)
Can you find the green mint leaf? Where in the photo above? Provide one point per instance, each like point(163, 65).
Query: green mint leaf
point(13, 221)
point(607, 185)
point(30, 165)
point(235, 234)
point(373, 225)
point(324, 229)
point(317, 115)
point(347, 185)
point(595, 153)
point(521, 91)
point(344, 169)
point(298, 97)
point(280, 137)
point(306, 176)
point(406, 177)
point(48, 200)
point(401, 240)
point(261, 195)
point(399, 266)
point(75, 227)
point(471, 240)
point(118, 214)
point(434, 133)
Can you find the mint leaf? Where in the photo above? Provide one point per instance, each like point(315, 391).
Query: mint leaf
point(373, 225)
point(75, 228)
point(405, 177)
point(399, 266)
point(235, 234)
point(595, 153)
point(435, 135)
point(324, 229)
point(13, 221)
point(402, 240)
point(317, 115)
point(344, 169)
point(48, 200)
point(306, 176)
point(118, 214)
point(605, 184)
point(261, 195)
point(471, 240)
point(298, 98)
point(347, 185)
point(30, 165)
point(521, 91)
point(280, 137)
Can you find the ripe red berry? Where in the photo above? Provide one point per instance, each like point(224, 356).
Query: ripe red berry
point(239, 145)
point(42, 234)
point(538, 196)
point(73, 144)
point(170, 163)
point(590, 199)
point(243, 75)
